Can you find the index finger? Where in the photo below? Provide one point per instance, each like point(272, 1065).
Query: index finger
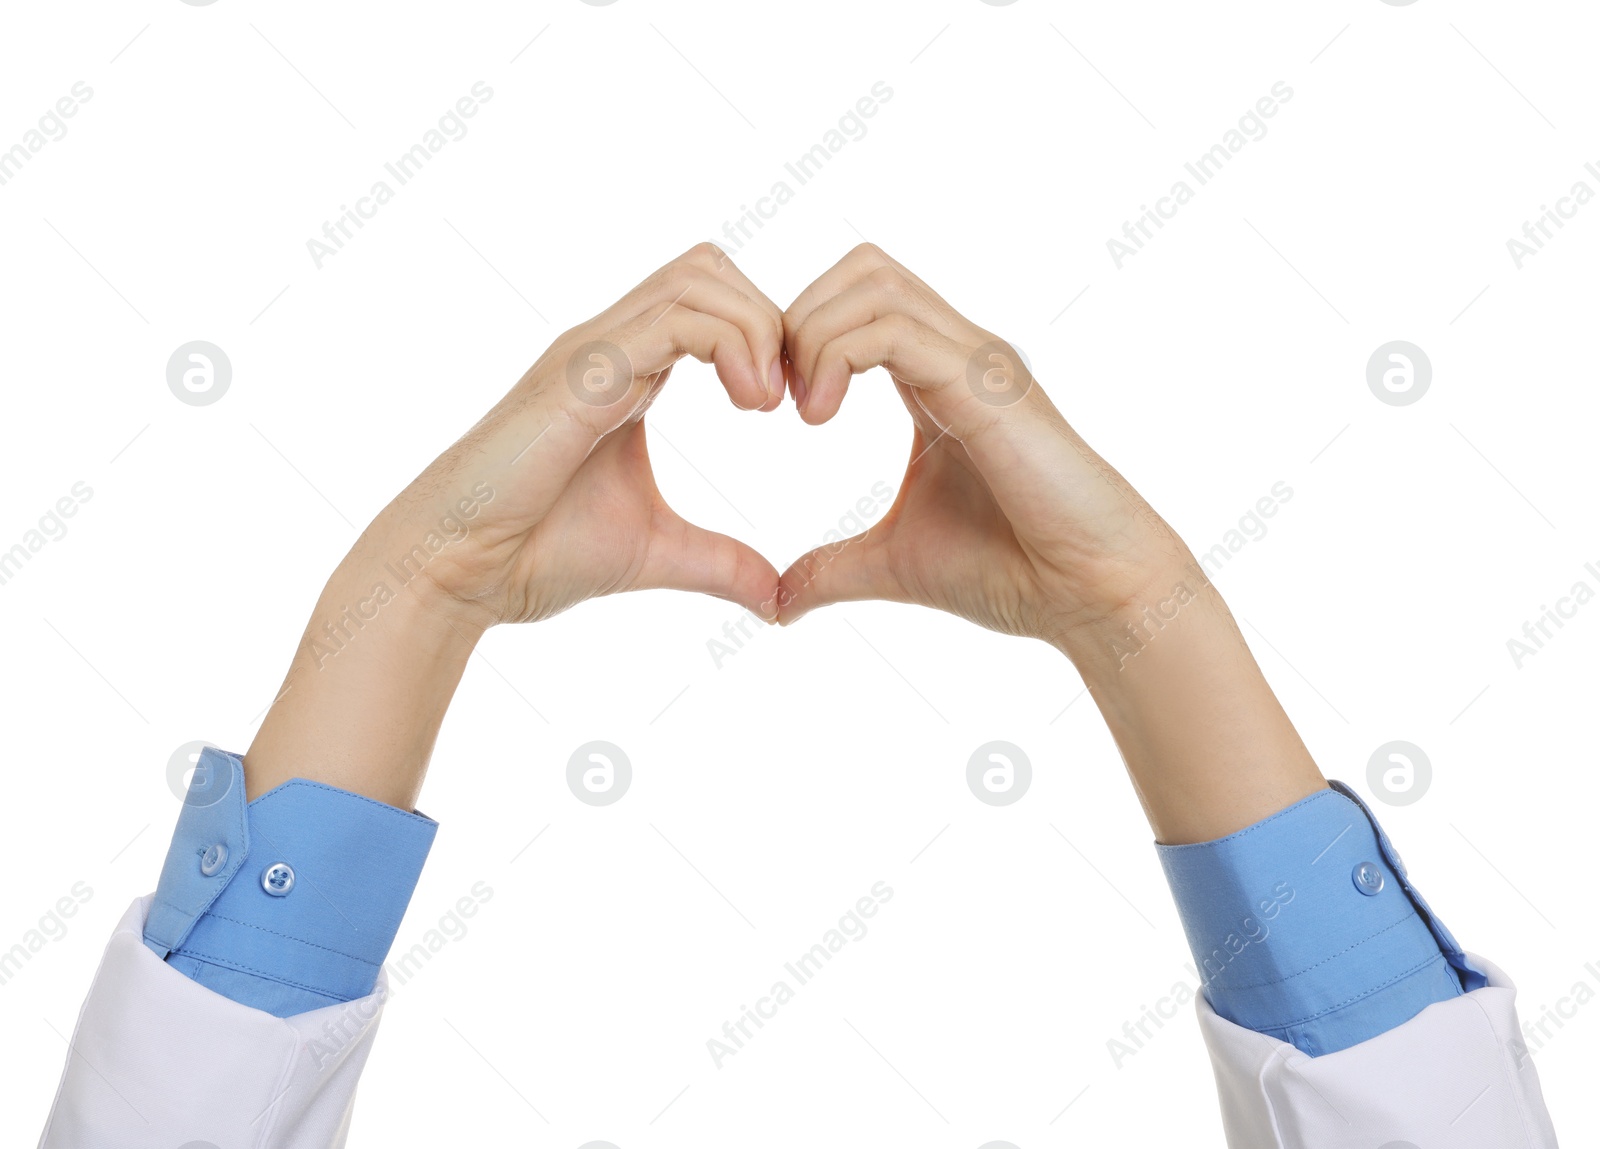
point(858, 263)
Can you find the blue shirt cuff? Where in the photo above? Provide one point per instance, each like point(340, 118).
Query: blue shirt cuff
point(1306, 927)
point(287, 903)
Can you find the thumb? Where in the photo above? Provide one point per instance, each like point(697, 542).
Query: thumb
point(682, 556)
point(849, 570)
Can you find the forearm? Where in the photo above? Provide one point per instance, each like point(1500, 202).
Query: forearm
point(373, 674)
point(290, 870)
point(1246, 825)
point(1206, 743)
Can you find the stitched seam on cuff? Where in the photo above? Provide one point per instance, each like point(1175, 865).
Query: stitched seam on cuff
point(296, 783)
point(1239, 835)
point(1329, 958)
point(188, 912)
point(267, 975)
point(290, 937)
point(1396, 980)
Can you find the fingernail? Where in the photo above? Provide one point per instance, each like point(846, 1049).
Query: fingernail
point(775, 379)
point(799, 391)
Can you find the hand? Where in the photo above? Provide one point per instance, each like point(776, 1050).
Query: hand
point(1005, 516)
point(574, 511)
point(547, 501)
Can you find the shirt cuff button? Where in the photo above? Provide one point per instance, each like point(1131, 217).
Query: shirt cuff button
point(213, 858)
point(1368, 878)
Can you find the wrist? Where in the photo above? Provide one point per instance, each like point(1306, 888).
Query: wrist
point(1134, 608)
point(424, 558)
point(383, 603)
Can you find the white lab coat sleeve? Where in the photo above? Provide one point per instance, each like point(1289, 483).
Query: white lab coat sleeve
point(1456, 1076)
point(158, 1060)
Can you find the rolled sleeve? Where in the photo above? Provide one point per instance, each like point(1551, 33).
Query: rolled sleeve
point(287, 903)
point(1306, 927)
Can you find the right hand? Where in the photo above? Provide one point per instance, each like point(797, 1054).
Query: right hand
point(575, 512)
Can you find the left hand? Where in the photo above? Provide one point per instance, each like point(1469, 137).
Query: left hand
point(1005, 517)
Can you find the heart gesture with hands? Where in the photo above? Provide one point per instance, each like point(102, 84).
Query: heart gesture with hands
point(1005, 517)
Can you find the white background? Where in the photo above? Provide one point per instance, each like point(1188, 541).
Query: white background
point(1229, 355)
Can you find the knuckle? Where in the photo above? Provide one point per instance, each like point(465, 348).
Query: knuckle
point(887, 279)
point(598, 373)
point(867, 250)
point(774, 326)
point(705, 254)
